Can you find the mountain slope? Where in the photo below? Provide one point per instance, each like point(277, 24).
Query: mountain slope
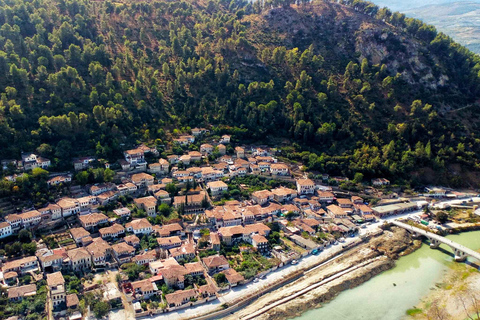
point(364, 90)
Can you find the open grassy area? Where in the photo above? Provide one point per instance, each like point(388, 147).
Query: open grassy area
point(293, 246)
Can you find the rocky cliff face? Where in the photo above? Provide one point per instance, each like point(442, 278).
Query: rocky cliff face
point(340, 32)
point(401, 55)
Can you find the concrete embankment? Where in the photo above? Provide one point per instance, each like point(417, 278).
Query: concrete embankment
point(350, 270)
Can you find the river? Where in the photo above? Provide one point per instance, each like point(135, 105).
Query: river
point(389, 295)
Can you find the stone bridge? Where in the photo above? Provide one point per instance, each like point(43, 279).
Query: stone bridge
point(461, 252)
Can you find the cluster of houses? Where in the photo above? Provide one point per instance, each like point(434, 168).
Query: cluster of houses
point(102, 242)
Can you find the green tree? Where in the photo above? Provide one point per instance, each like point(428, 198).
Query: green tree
point(358, 178)
point(171, 189)
point(164, 209)
point(220, 278)
point(24, 236)
point(441, 216)
point(101, 309)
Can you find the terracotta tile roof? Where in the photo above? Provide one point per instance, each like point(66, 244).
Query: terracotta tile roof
point(98, 248)
point(77, 254)
point(55, 279)
point(290, 207)
point(138, 177)
point(325, 194)
point(28, 290)
point(233, 276)
point(214, 238)
point(139, 224)
point(72, 300)
point(215, 261)
point(134, 151)
point(123, 247)
point(262, 194)
point(180, 296)
point(209, 289)
point(146, 255)
point(148, 201)
point(10, 274)
point(49, 257)
point(259, 228)
point(168, 240)
point(115, 228)
point(279, 166)
point(282, 191)
point(311, 222)
point(13, 217)
point(143, 285)
point(133, 239)
point(173, 272)
point(188, 248)
point(169, 228)
point(217, 184)
point(194, 267)
point(30, 214)
point(162, 194)
point(344, 201)
point(18, 263)
point(364, 208)
point(259, 239)
point(94, 218)
point(305, 182)
point(336, 210)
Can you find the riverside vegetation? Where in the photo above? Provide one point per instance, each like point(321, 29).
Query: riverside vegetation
point(349, 87)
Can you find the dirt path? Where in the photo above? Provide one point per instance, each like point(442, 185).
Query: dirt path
point(129, 313)
point(49, 306)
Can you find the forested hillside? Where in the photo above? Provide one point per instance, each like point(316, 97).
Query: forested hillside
point(355, 87)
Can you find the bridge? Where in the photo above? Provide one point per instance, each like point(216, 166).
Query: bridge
point(461, 252)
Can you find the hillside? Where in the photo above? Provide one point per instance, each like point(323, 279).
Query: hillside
point(357, 88)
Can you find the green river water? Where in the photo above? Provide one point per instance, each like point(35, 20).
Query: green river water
point(379, 299)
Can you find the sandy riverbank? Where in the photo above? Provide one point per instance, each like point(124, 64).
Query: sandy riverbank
point(376, 256)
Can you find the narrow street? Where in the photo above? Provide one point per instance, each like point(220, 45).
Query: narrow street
point(49, 306)
point(127, 313)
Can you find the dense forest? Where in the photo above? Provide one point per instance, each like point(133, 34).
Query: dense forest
point(346, 87)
